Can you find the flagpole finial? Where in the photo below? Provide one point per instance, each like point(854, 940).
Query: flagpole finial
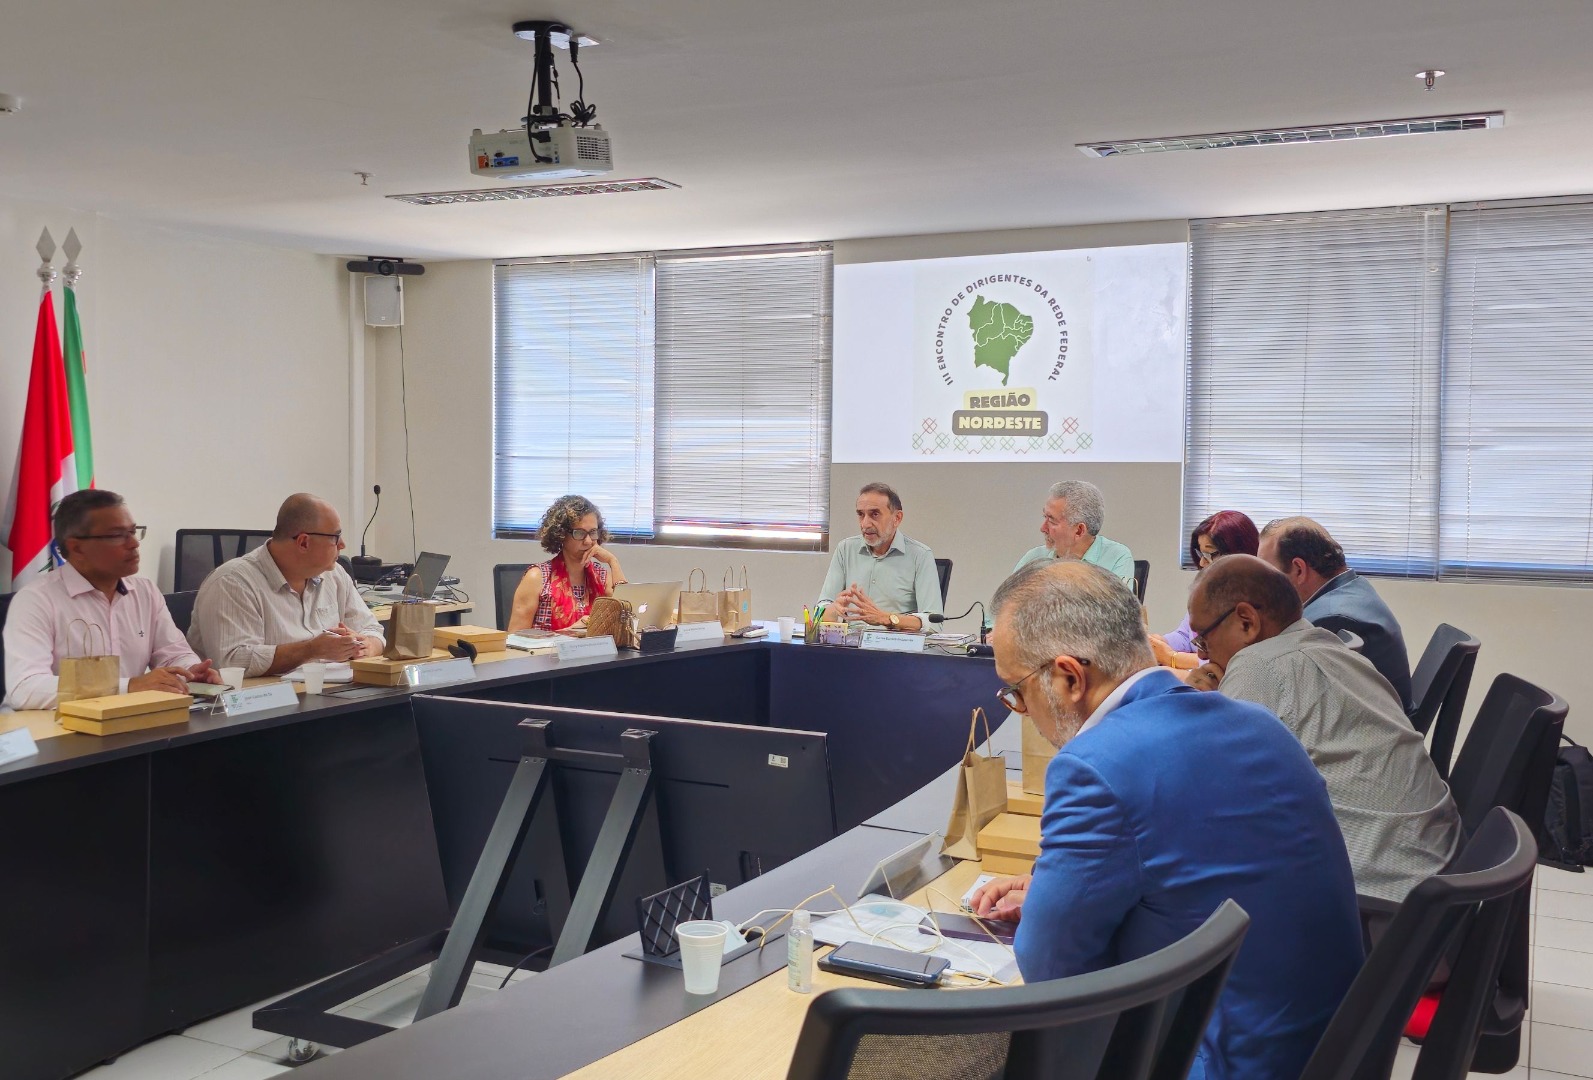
point(73, 248)
point(46, 249)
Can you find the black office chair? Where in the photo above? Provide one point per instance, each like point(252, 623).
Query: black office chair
point(1439, 686)
point(5, 605)
point(1508, 760)
point(505, 576)
point(181, 606)
point(1465, 915)
point(1352, 641)
point(1140, 1019)
point(199, 551)
point(943, 571)
point(1141, 578)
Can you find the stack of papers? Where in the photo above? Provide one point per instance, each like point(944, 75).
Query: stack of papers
point(334, 673)
point(533, 642)
point(879, 920)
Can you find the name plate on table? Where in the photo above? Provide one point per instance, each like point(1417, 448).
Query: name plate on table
point(588, 648)
point(892, 641)
point(16, 745)
point(253, 699)
point(698, 631)
point(439, 673)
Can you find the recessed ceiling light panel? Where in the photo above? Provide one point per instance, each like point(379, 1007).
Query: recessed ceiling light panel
point(534, 191)
point(1315, 133)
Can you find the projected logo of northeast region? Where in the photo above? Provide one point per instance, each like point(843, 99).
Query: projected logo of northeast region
point(999, 331)
point(1000, 412)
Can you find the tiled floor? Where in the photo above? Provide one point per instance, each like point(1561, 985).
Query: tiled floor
point(229, 1048)
point(1560, 1043)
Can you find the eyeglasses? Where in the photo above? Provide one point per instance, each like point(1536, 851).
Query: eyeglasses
point(1206, 558)
point(336, 538)
point(1199, 640)
point(1012, 697)
point(582, 534)
point(121, 536)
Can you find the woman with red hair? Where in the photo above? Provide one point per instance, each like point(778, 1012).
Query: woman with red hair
point(1227, 532)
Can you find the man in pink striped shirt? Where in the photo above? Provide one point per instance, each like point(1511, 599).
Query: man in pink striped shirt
point(94, 605)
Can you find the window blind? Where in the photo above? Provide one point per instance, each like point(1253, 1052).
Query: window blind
point(1313, 383)
point(573, 391)
point(743, 380)
point(1517, 494)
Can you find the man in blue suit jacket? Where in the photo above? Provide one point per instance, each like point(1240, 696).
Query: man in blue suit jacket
point(1162, 803)
point(1336, 597)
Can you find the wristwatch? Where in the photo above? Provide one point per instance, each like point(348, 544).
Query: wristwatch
point(896, 622)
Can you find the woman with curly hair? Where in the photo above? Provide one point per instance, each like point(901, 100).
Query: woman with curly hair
point(1227, 532)
point(558, 594)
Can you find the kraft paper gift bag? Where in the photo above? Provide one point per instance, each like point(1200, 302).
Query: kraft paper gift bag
point(981, 794)
point(612, 617)
point(1037, 755)
point(735, 602)
point(698, 605)
point(410, 631)
point(87, 675)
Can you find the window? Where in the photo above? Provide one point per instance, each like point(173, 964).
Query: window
point(573, 391)
point(1517, 497)
point(1313, 377)
point(689, 389)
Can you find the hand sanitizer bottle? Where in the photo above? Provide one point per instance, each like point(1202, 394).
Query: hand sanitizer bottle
point(799, 953)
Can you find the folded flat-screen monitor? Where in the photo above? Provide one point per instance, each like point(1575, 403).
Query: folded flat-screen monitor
point(733, 800)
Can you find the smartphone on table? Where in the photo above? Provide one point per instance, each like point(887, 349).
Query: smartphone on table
point(880, 964)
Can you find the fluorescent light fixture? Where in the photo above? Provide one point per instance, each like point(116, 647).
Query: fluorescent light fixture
point(749, 534)
point(1311, 133)
point(534, 191)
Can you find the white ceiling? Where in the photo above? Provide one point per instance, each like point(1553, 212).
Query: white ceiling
point(782, 121)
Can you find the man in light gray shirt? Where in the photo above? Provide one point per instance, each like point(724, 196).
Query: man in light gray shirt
point(1399, 821)
point(287, 601)
point(881, 577)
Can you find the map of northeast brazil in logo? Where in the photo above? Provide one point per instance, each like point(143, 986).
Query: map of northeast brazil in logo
point(1001, 364)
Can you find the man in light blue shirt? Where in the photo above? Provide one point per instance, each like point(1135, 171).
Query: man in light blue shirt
point(881, 577)
point(1071, 524)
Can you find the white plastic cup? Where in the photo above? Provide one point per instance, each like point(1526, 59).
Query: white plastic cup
point(702, 950)
point(233, 677)
point(314, 677)
point(787, 627)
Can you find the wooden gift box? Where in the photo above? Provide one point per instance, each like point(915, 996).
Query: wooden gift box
point(115, 714)
point(1010, 844)
point(484, 638)
point(380, 671)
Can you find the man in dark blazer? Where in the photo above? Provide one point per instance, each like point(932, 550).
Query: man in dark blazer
point(1336, 597)
point(1162, 803)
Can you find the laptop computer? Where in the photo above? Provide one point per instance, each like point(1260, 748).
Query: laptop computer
point(657, 604)
point(429, 567)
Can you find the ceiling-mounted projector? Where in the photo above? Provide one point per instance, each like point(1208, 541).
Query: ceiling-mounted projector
point(562, 153)
point(552, 144)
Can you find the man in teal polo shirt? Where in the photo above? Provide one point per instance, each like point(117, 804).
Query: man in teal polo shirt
point(880, 577)
point(1071, 525)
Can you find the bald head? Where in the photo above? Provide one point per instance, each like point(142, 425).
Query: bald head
point(1246, 579)
point(303, 513)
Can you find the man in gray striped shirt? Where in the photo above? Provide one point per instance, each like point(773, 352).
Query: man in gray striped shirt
point(1399, 821)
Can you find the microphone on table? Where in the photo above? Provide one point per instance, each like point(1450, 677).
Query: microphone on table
point(362, 558)
point(953, 618)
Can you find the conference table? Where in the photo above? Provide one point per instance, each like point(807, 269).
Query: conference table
point(157, 878)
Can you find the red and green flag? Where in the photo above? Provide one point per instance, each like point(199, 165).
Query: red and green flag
point(46, 469)
point(77, 392)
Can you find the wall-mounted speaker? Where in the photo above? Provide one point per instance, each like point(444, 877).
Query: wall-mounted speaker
point(384, 301)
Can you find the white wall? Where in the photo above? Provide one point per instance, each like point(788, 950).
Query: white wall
point(217, 370)
point(981, 516)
